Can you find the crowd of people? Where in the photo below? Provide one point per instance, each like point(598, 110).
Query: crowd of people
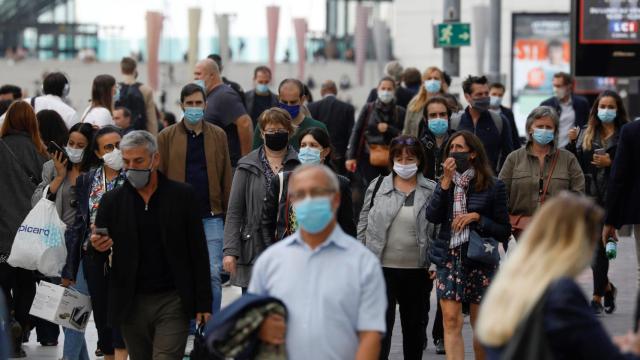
point(343, 217)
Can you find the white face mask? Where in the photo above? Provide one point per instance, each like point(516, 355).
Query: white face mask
point(75, 155)
point(113, 159)
point(385, 96)
point(405, 171)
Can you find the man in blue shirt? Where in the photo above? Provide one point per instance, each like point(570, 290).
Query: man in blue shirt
point(332, 286)
point(492, 129)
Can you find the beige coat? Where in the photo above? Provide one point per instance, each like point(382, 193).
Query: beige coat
point(521, 174)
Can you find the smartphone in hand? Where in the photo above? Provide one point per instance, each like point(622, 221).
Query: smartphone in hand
point(54, 148)
point(101, 231)
point(599, 152)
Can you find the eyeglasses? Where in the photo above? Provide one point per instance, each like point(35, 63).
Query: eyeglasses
point(318, 192)
point(404, 141)
point(111, 147)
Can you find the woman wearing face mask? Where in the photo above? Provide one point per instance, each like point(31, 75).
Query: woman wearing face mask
point(278, 218)
point(595, 150)
point(104, 92)
point(394, 227)
point(468, 199)
point(539, 170)
point(60, 174)
point(435, 134)
point(86, 269)
point(433, 84)
point(242, 233)
point(378, 123)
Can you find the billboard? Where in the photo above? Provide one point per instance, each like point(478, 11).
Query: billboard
point(606, 32)
point(541, 48)
point(609, 22)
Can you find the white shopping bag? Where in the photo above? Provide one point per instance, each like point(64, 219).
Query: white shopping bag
point(62, 306)
point(39, 243)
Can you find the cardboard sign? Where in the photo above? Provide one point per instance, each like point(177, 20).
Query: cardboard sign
point(62, 306)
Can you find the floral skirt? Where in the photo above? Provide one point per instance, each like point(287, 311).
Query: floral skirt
point(462, 281)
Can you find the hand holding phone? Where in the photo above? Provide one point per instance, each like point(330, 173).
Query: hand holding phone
point(600, 151)
point(54, 148)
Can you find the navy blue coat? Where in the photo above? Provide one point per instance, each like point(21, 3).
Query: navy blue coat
point(76, 234)
point(573, 332)
point(497, 144)
point(623, 194)
point(491, 204)
point(580, 107)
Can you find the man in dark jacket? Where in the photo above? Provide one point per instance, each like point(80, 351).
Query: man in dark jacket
point(573, 109)
point(338, 116)
point(623, 193)
point(261, 98)
point(496, 94)
point(159, 277)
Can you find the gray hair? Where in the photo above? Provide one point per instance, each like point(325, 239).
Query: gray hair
point(138, 138)
point(539, 113)
point(393, 69)
point(331, 177)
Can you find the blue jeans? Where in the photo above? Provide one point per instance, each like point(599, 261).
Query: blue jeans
point(75, 347)
point(213, 231)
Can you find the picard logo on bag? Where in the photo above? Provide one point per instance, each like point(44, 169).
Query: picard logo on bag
point(33, 230)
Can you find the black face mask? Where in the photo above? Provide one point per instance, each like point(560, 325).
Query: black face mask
point(462, 161)
point(277, 141)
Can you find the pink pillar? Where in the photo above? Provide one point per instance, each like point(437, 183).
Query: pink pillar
point(154, 29)
point(300, 27)
point(273, 19)
point(362, 14)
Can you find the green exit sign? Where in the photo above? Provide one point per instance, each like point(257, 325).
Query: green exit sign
point(453, 34)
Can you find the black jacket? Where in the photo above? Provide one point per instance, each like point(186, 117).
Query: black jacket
point(275, 210)
point(491, 204)
point(76, 234)
point(249, 101)
point(182, 235)
point(365, 128)
point(433, 155)
point(339, 118)
point(623, 194)
point(580, 106)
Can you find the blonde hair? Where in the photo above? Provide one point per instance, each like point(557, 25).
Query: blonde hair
point(420, 100)
point(558, 242)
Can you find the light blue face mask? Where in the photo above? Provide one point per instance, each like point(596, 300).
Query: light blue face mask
point(309, 155)
point(432, 86)
point(314, 214)
point(193, 115)
point(262, 88)
point(438, 126)
point(543, 136)
point(607, 115)
point(201, 84)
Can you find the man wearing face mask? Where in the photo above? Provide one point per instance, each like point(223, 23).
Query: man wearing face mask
point(491, 128)
point(195, 151)
point(290, 99)
point(261, 98)
point(310, 270)
point(224, 109)
point(159, 265)
point(573, 109)
point(496, 94)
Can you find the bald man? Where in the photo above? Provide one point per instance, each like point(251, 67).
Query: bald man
point(337, 115)
point(225, 109)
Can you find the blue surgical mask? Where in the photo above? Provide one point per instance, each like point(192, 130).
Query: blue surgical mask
point(262, 88)
point(432, 86)
point(193, 115)
point(201, 84)
point(293, 110)
point(495, 101)
point(309, 155)
point(385, 96)
point(438, 126)
point(543, 136)
point(606, 115)
point(314, 214)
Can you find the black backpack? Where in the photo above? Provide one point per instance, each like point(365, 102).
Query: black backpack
point(131, 98)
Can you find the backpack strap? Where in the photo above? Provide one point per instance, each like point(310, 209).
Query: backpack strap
point(498, 121)
point(375, 190)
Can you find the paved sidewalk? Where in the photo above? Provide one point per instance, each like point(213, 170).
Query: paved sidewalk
point(622, 272)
